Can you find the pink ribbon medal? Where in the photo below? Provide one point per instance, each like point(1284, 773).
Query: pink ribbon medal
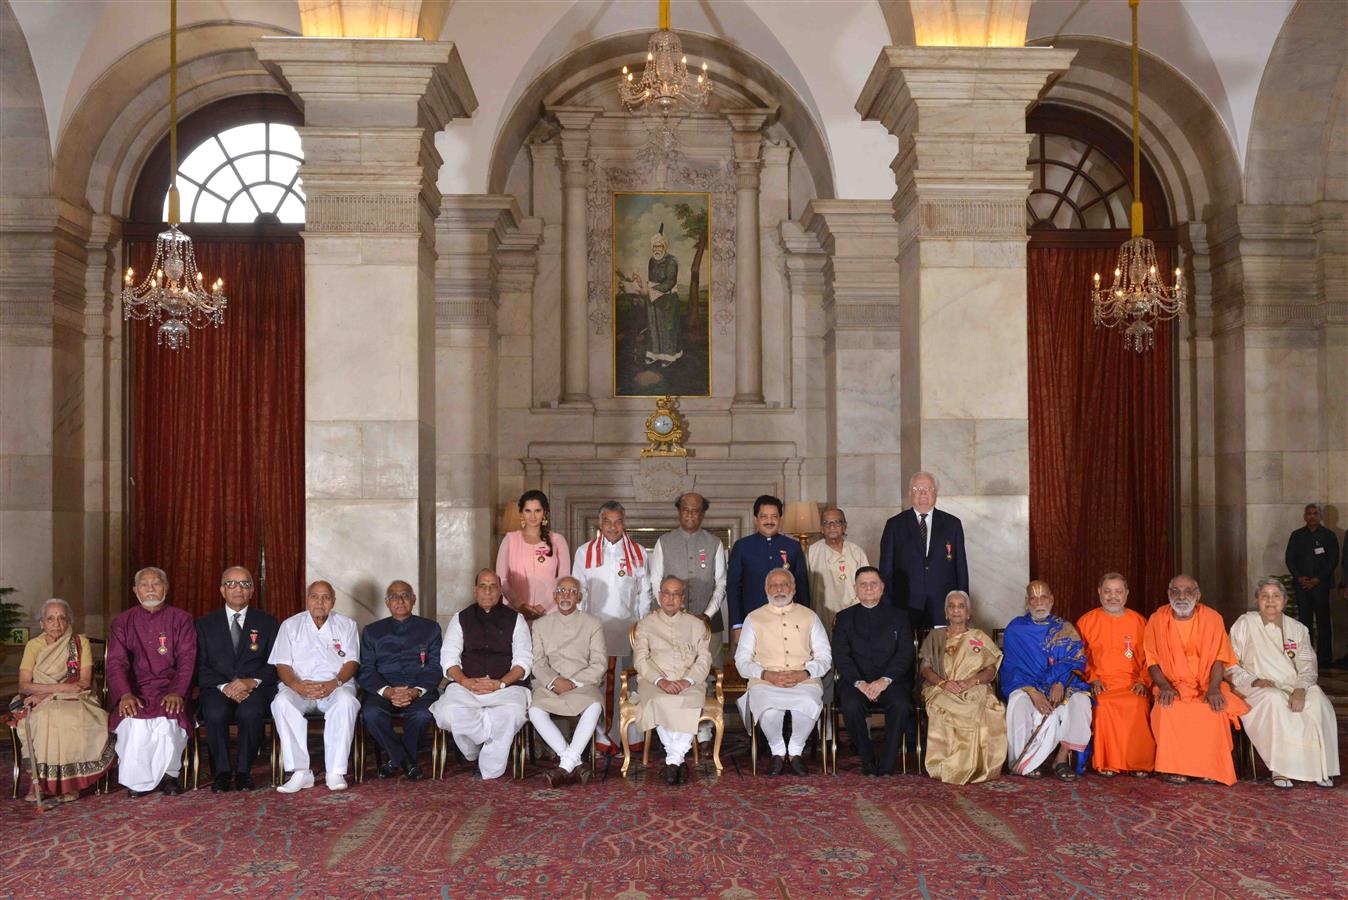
point(163, 645)
point(337, 645)
point(702, 558)
point(1128, 646)
point(785, 565)
point(252, 639)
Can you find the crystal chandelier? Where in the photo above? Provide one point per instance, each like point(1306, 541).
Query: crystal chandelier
point(174, 292)
point(665, 82)
point(1137, 300)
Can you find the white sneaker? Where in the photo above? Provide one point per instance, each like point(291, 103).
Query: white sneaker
point(336, 783)
point(299, 780)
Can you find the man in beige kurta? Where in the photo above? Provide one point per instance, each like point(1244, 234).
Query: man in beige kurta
point(672, 654)
point(570, 661)
point(833, 565)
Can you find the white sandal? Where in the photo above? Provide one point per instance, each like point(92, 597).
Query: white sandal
point(1281, 782)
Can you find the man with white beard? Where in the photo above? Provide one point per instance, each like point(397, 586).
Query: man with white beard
point(784, 652)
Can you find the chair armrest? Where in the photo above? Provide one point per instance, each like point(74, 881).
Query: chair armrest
point(719, 691)
point(624, 686)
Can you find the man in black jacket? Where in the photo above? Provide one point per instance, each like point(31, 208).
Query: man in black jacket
point(1311, 557)
point(400, 672)
point(873, 653)
point(237, 684)
point(922, 555)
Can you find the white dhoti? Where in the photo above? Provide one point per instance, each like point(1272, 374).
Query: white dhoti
point(568, 753)
point(1069, 724)
point(483, 725)
point(148, 750)
point(339, 711)
point(770, 704)
point(676, 744)
point(1303, 746)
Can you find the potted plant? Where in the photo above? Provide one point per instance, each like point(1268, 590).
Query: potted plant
point(11, 616)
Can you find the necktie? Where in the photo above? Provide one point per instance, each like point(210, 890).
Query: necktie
point(235, 631)
point(922, 530)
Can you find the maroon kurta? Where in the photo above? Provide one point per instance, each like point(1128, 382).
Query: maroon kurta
point(136, 665)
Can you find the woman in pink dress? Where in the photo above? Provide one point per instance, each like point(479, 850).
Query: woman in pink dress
point(532, 559)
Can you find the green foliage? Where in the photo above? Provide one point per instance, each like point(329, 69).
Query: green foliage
point(693, 222)
point(11, 614)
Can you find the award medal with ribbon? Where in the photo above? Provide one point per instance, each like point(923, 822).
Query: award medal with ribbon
point(976, 645)
point(1128, 646)
point(1290, 648)
point(163, 645)
point(422, 654)
point(543, 551)
point(842, 570)
point(252, 639)
point(785, 565)
point(337, 645)
point(702, 558)
point(949, 552)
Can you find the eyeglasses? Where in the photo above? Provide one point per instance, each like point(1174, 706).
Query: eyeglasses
point(400, 595)
point(829, 523)
point(1183, 592)
point(567, 592)
point(236, 584)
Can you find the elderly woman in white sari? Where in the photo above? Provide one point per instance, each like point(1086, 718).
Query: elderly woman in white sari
point(69, 730)
point(1290, 721)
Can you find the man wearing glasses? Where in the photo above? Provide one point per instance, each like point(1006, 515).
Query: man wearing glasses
point(833, 564)
point(570, 662)
point(922, 555)
point(236, 681)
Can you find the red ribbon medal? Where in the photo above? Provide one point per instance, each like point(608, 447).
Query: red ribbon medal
point(337, 645)
point(785, 565)
point(423, 657)
point(702, 558)
point(976, 644)
point(949, 548)
point(252, 639)
point(163, 645)
point(1290, 648)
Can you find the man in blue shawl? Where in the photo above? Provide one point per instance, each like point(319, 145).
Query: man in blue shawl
point(1048, 702)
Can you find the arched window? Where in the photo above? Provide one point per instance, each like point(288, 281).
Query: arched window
point(245, 174)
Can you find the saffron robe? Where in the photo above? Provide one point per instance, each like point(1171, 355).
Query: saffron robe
point(1191, 739)
point(1115, 658)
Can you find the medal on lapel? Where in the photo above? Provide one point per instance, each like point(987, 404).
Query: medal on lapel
point(976, 645)
point(252, 639)
point(1290, 648)
point(423, 657)
point(622, 573)
point(949, 552)
point(543, 551)
point(785, 565)
point(842, 570)
point(1128, 646)
point(163, 644)
point(337, 645)
point(702, 558)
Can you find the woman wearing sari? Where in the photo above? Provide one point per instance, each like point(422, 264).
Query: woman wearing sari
point(532, 559)
point(1290, 722)
point(69, 730)
point(966, 731)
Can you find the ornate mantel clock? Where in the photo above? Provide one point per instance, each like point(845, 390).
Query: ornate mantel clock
point(665, 429)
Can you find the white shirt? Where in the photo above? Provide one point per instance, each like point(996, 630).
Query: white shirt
point(316, 654)
point(926, 551)
point(656, 563)
point(821, 661)
point(618, 601)
point(521, 647)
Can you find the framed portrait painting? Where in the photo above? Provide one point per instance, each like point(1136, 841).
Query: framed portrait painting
point(661, 294)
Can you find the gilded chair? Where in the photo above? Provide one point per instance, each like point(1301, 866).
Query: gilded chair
point(713, 711)
point(919, 755)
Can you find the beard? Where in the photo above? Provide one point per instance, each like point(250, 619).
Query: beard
point(152, 604)
point(1039, 615)
point(780, 599)
point(1183, 608)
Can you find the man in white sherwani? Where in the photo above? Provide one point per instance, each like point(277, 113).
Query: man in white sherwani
point(784, 652)
point(672, 654)
point(316, 655)
point(569, 663)
point(487, 653)
point(613, 572)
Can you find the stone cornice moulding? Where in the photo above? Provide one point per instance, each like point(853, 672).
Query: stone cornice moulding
point(411, 82)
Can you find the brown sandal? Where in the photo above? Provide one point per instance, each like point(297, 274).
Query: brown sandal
point(1064, 771)
point(1168, 778)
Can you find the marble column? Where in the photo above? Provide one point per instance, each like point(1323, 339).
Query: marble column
point(959, 114)
point(575, 139)
point(748, 141)
point(371, 111)
point(861, 356)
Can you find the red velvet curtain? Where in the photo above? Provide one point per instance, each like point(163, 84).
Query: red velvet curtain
point(217, 433)
point(1101, 449)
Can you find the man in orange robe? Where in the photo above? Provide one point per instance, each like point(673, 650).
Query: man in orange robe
point(1116, 668)
point(1187, 655)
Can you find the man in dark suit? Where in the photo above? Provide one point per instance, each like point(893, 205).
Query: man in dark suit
point(1312, 555)
point(873, 653)
point(922, 555)
point(237, 684)
point(400, 672)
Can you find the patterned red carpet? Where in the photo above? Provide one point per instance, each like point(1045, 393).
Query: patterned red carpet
point(738, 837)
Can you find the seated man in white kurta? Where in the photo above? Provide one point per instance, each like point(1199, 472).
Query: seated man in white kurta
point(1291, 721)
point(316, 655)
point(672, 655)
point(784, 652)
point(486, 653)
point(569, 663)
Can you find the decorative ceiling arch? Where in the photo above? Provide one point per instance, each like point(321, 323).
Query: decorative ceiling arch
point(577, 74)
point(1182, 135)
point(1298, 107)
point(25, 146)
point(125, 113)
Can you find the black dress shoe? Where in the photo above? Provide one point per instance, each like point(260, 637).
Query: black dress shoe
point(867, 769)
point(414, 773)
point(170, 786)
point(388, 769)
point(223, 782)
point(671, 774)
point(136, 794)
point(243, 782)
point(798, 765)
point(775, 767)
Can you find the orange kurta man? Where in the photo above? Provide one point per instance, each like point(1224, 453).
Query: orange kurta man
point(1192, 739)
point(1115, 658)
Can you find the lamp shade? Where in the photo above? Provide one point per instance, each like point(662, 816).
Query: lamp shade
point(801, 517)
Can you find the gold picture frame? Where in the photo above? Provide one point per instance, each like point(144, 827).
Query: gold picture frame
point(662, 328)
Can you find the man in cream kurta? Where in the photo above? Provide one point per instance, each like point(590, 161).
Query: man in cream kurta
point(784, 652)
point(569, 666)
point(672, 653)
point(833, 564)
point(1291, 721)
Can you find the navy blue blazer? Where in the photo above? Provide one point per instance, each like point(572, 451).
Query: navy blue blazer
point(403, 653)
point(920, 580)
